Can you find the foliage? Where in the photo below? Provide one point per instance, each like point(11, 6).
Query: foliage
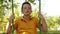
point(5, 7)
point(53, 22)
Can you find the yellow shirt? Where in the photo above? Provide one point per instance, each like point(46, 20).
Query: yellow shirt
point(23, 26)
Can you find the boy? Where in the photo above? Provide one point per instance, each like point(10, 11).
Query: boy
point(27, 24)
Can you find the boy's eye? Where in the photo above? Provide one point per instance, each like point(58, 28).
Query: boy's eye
point(24, 8)
point(27, 8)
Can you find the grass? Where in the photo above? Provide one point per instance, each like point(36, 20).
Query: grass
point(50, 32)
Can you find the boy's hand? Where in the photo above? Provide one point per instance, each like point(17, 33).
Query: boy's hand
point(40, 15)
point(11, 18)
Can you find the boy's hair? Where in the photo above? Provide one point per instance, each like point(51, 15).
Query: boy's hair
point(24, 4)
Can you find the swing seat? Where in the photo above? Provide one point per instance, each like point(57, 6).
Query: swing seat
point(25, 33)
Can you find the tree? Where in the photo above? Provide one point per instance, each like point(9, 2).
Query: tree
point(53, 22)
point(5, 7)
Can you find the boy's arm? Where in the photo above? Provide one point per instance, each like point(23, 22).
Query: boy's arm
point(9, 29)
point(43, 26)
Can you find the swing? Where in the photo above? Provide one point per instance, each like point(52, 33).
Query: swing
point(13, 14)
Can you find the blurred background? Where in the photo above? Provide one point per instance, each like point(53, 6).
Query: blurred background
point(49, 8)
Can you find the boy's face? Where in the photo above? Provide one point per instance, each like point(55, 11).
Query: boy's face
point(26, 9)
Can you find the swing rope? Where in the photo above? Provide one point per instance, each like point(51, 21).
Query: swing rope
point(40, 12)
point(13, 19)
